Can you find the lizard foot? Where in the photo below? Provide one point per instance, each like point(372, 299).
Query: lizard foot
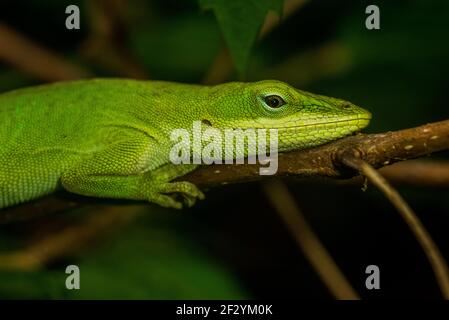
point(176, 195)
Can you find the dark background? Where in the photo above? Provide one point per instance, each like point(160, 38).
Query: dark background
point(233, 244)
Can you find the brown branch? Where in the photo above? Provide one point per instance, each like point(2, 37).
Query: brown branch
point(52, 246)
point(272, 20)
point(30, 57)
point(106, 42)
point(423, 173)
point(310, 244)
point(414, 173)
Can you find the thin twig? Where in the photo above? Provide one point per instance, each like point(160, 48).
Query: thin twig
point(431, 250)
point(314, 251)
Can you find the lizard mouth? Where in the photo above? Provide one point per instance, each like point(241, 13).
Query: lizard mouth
point(359, 123)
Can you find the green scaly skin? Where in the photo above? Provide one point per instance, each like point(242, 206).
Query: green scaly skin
point(110, 138)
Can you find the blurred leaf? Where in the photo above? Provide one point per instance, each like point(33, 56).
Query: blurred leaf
point(180, 48)
point(240, 22)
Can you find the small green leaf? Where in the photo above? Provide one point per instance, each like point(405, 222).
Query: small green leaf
point(240, 22)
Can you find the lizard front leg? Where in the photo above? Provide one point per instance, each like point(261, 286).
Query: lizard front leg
point(132, 170)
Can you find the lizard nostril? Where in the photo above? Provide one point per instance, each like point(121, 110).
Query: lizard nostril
point(346, 106)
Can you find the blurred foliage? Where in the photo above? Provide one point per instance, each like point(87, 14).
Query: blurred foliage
point(232, 245)
point(240, 22)
point(188, 44)
point(398, 72)
point(147, 260)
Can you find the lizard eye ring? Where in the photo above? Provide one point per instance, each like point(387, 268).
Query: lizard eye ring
point(274, 101)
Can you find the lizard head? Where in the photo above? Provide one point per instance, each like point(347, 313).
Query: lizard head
point(302, 119)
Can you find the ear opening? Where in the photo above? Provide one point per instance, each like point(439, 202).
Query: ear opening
point(206, 122)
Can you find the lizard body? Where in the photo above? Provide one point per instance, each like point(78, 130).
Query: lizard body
point(111, 137)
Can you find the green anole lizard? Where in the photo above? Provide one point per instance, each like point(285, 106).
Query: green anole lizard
point(110, 138)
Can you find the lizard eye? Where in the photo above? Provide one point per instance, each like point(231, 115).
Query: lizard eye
point(274, 101)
